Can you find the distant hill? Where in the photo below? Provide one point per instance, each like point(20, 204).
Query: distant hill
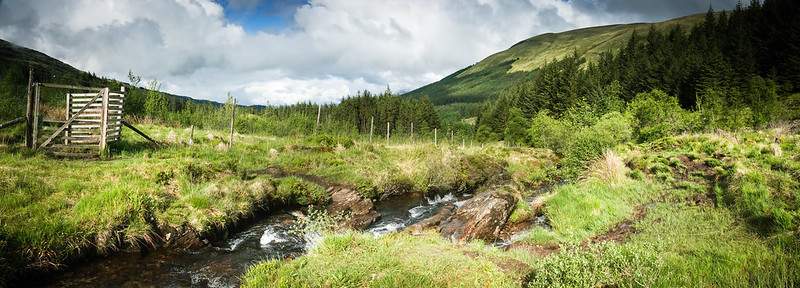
point(14, 63)
point(489, 77)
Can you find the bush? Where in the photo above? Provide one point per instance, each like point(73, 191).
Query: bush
point(589, 143)
point(656, 115)
point(547, 132)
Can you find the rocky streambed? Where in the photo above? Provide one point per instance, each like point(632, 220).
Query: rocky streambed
point(459, 217)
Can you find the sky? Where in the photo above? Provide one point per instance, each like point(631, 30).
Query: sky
point(282, 52)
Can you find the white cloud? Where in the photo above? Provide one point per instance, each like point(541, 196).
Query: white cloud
point(334, 47)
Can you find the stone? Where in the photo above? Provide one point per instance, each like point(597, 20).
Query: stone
point(481, 217)
point(172, 137)
point(358, 211)
point(437, 218)
point(273, 153)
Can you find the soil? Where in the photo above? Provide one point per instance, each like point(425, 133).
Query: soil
point(622, 231)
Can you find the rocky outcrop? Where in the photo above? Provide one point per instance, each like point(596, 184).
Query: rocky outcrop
point(440, 216)
point(359, 211)
point(481, 217)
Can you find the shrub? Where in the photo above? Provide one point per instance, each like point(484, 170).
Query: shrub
point(656, 115)
point(589, 143)
point(547, 132)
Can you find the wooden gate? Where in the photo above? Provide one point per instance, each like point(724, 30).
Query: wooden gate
point(92, 121)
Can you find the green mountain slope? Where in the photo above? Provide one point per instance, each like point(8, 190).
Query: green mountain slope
point(14, 63)
point(489, 77)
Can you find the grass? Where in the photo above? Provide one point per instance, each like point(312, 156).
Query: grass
point(397, 260)
point(715, 209)
point(691, 203)
point(53, 211)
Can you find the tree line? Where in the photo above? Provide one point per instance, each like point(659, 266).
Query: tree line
point(738, 68)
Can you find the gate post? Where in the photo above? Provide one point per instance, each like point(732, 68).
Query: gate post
point(29, 113)
point(104, 122)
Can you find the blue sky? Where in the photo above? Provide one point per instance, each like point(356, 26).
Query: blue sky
point(256, 15)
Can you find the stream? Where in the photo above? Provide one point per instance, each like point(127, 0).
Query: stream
point(221, 264)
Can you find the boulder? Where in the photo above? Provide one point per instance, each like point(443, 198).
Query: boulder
point(359, 211)
point(481, 217)
point(441, 215)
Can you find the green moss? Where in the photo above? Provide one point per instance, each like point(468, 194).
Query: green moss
point(522, 212)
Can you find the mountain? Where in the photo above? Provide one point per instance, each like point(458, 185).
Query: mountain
point(14, 63)
point(489, 77)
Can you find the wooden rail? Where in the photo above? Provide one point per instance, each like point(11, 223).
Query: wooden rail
point(124, 122)
point(12, 122)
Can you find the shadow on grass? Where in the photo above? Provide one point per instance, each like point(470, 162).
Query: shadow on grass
point(132, 147)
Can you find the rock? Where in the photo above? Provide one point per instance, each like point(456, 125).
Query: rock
point(182, 238)
point(172, 137)
point(273, 153)
point(481, 217)
point(359, 211)
point(441, 215)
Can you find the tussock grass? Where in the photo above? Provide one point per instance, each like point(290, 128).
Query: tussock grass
point(396, 260)
point(609, 168)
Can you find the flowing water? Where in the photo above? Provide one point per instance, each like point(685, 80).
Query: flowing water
point(221, 264)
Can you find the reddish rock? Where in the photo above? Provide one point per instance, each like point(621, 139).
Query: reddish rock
point(441, 215)
point(359, 211)
point(481, 217)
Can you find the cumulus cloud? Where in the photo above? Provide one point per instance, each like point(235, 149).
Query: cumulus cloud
point(331, 49)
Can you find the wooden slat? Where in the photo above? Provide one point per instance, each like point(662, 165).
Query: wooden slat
point(62, 86)
point(82, 95)
point(44, 144)
point(84, 135)
point(12, 122)
point(75, 155)
point(111, 106)
point(83, 141)
point(73, 146)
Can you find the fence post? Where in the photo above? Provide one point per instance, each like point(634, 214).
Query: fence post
point(36, 97)
point(371, 127)
point(191, 136)
point(451, 136)
point(233, 118)
point(67, 115)
point(29, 113)
point(104, 122)
point(387, 132)
point(434, 137)
point(319, 112)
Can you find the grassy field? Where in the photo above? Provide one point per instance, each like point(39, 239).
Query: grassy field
point(56, 210)
point(703, 210)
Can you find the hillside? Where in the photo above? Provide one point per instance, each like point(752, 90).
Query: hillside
point(14, 63)
point(489, 77)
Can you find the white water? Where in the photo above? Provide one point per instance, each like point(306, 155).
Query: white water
point(388, 228)
point(270, 237)
point(419, 210)
point(441, 199)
